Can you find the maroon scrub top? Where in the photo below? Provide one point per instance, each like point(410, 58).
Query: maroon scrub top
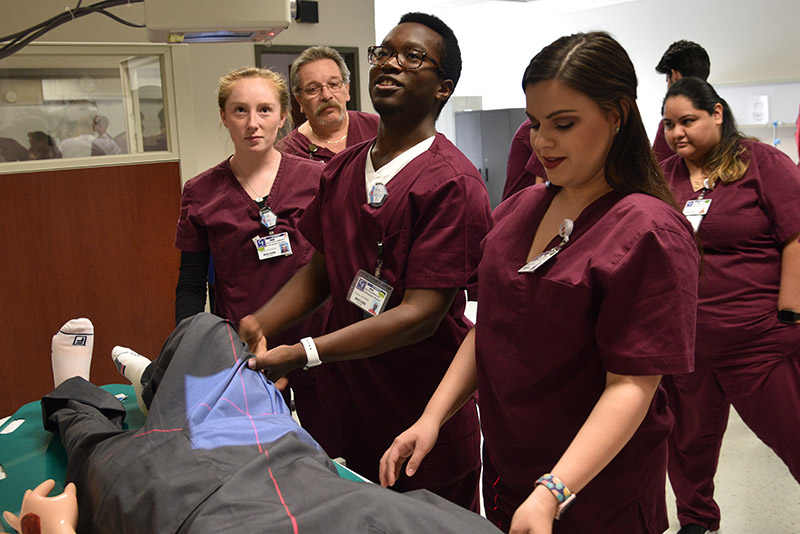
point(217, 214)
point(742, 236)
point(620, 297)
point(362, 126)
point(660, 146)
point(523, 165)
point(431, 225)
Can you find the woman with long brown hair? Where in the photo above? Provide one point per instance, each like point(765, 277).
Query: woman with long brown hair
point(587, 292)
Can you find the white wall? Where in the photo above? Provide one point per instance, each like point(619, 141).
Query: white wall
point(747, 40)
point(342, 23)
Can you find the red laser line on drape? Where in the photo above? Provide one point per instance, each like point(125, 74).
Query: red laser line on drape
point(157, 430)
point(244, 392)
point(238, 371)
point(258, 441)
point(280, 496)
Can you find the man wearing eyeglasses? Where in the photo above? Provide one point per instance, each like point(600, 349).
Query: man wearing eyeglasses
point(397, 224)
point(320, 82)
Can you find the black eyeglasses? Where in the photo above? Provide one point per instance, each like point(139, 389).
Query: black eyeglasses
point(314, 89)
point(410, 59)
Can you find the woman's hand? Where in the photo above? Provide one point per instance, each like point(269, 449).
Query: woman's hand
point(536, 514)
point(416, 442)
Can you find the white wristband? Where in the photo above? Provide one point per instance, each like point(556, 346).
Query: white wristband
point(312, 356)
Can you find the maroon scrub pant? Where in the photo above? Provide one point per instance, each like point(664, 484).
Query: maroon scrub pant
point(767, 397)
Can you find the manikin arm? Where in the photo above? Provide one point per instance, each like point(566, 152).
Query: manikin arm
point(41, 514)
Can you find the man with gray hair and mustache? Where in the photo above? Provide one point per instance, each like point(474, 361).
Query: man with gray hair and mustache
point(320, 82)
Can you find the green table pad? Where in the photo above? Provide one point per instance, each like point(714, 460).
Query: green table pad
point(31, 455)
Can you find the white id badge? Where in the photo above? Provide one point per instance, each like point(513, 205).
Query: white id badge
point(564, 231)
point(695, 210)
point(539, 260)
point(697, 207)
point(369, 293)
point(273, 246)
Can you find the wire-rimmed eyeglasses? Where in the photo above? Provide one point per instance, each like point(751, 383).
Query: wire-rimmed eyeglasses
point(313, 89)
point(408, 59)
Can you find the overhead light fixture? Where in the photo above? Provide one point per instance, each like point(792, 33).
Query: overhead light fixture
point(216, 21)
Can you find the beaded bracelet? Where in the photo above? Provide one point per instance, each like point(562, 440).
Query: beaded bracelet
point(559, 490)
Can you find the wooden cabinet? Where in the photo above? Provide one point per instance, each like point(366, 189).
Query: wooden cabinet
point(94, 242)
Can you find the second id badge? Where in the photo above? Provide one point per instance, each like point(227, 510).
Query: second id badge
point(539, 260)
point(695, 210)
point(369, 293)
point(564, 231)
point(273, 246)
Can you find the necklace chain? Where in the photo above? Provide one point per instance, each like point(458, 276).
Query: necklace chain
point(264, 189)
point(697, 185)
point(318, 138)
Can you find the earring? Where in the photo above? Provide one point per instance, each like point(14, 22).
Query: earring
point(617, 130)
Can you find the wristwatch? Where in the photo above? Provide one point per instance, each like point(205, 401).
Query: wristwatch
point(312, 356)
point(788, 316)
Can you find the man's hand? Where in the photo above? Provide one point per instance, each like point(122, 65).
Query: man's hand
point(250, 332)
point(279, 361)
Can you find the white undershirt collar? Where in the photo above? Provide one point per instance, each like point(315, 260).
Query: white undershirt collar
point(391, 169)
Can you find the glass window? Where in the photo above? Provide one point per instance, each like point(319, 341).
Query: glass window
point(73, 101)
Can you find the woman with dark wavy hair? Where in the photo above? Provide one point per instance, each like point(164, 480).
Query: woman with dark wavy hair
point(743, 198)
point(587, 292)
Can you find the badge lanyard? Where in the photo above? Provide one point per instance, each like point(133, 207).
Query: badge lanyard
point(564, 231)
point(695, 210)
point(379, 263)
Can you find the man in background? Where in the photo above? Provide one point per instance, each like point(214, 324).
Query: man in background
point(320, 83)
point(103, 144)
point(682, 58)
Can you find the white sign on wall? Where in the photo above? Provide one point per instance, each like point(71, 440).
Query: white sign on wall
point(758, 109)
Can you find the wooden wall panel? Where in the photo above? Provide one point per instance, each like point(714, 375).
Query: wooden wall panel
point(94, 243)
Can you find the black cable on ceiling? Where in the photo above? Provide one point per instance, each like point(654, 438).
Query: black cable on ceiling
point(17, 41)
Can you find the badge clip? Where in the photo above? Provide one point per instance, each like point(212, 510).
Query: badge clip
point(377, 195)
point(268, 218)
